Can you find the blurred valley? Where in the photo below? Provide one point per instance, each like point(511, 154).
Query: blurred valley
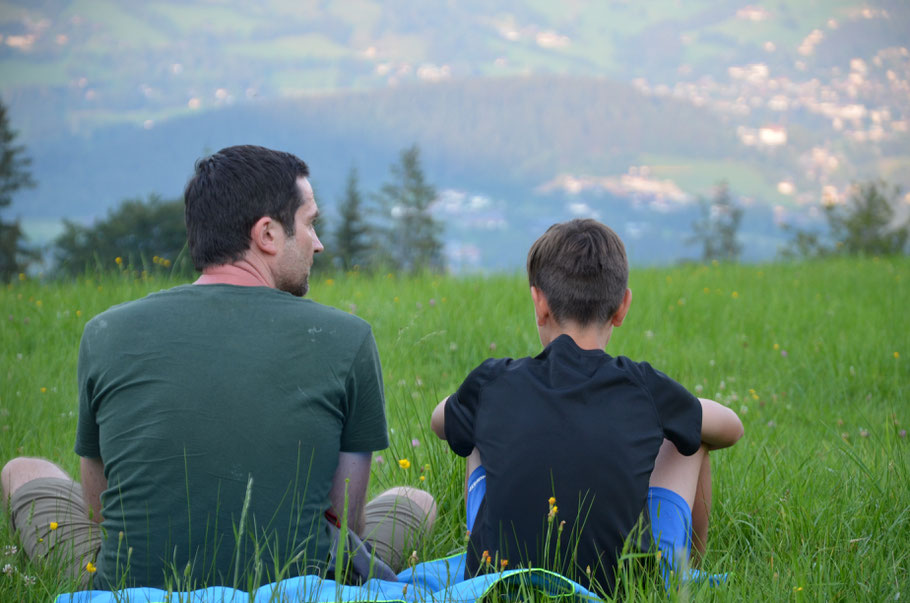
point(526, 113)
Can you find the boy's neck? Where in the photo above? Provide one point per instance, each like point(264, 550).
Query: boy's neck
point(587, 338)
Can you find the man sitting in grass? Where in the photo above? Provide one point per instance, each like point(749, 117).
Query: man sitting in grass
point(566, 449)
point(224, 425)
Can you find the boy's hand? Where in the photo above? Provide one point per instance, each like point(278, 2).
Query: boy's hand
point(720, 426)
point(438, 420)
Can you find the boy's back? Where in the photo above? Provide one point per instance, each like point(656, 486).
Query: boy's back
point(576, 425)
point(580, 430)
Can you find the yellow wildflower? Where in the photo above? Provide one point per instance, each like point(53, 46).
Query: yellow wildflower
point(21, 276)
point(90, 567)
point(896, 355)
point(117, 260)
point(734, 295)
point(43, 390)
point(552, 501)
point(404, 464)
point(776, 346)
point(504, 563)
point(423, 478)
point(54, 525)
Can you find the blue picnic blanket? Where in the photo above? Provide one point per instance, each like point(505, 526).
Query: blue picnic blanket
point(438, 580)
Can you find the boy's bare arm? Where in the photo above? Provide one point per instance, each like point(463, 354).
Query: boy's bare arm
point(720, 426)
point(438, 420)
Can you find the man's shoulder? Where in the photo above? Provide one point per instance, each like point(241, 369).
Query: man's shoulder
point(129, 308)
point(212, 309)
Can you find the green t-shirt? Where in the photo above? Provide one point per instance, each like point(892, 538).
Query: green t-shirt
point(187, 394)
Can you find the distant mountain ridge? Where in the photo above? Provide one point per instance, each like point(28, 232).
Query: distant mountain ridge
point(487, 134)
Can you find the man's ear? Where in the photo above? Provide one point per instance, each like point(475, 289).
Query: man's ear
point(620, 314)
point(541, 306)
point(263, 235)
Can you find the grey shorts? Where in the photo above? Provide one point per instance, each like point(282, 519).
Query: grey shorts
point(394, 526)
point(51, 518)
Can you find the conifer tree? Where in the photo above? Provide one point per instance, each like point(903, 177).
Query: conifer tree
point(717, 229)
point(14, 175)
point(352, 247)
point(413, 236)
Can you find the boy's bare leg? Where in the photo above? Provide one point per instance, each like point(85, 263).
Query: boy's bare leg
point(472, 463)
point(690, 478)
point(678, 473)
point(24, 469)
point(701, 510)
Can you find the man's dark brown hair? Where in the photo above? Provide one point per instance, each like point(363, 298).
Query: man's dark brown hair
point(581, 268)
point(230, 191)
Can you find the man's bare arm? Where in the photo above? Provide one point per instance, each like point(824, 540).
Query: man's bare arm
point(93, 484)
point(355, 468)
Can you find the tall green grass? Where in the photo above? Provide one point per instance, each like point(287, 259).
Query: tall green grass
point(813, 503)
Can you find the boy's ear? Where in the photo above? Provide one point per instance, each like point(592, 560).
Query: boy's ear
point(263, 235)
point(620, 314)
point(541, 306)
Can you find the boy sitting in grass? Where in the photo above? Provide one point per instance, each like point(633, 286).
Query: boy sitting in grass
point(566, 449)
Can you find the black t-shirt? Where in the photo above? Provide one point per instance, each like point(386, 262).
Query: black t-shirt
point(577, 425)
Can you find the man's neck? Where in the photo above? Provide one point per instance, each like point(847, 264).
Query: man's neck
point(241, 273)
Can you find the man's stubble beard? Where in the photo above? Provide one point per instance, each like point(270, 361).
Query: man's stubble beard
point(298, 288)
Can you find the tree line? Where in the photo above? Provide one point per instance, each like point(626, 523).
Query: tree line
point(870, 222)
point(393, 228)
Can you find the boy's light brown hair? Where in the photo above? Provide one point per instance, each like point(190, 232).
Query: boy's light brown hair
point(581, 268)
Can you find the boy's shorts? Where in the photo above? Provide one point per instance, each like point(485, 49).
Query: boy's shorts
point(676, 519)
point(661, 502)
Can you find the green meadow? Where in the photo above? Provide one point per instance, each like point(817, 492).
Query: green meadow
point(812, 504)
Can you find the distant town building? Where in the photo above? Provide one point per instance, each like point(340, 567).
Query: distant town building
point(773, 136)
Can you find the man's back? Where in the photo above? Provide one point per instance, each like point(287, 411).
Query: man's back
point(572, 424)
point(189, 394)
